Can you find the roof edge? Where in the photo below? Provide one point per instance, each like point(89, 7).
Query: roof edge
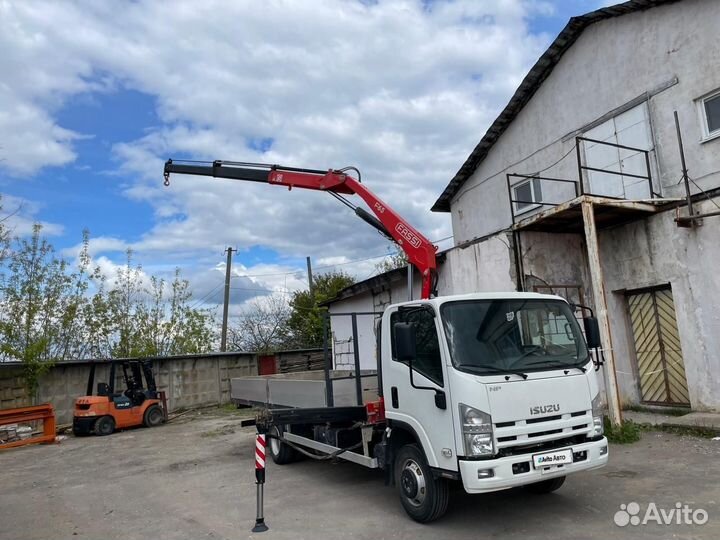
point(530, 84)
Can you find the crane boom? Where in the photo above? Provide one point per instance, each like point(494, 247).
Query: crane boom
point(419, 250)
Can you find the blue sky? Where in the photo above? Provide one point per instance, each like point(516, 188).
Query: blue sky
point(87, 127)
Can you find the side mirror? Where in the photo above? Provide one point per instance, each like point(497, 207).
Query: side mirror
point(405, 341)
point(592, 332)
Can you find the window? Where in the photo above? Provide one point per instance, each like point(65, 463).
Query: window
point(427, 361)
point(710, 113)
point(526, 194)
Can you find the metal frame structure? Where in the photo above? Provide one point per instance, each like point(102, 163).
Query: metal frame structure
point(511, 178)
point(581, 167)
point(530, 177)
point(356, 355)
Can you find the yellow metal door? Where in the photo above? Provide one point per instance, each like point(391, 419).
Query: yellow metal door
point(657, 348)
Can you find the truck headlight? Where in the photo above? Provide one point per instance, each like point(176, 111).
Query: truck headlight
point(598, 427)
point(477, 432)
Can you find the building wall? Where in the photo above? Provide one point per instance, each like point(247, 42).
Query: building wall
point(188, 381)
point(612, 63)
point(376, 301)
point(654, 252)
point(480, 266)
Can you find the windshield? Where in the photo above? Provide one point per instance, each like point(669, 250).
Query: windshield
point(505, 336)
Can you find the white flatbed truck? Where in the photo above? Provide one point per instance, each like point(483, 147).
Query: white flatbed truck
point(491, 390)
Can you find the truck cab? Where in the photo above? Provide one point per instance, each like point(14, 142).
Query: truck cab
point(494, 390)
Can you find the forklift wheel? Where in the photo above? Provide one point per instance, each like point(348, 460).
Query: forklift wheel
point(153, 416)
point(104, 425)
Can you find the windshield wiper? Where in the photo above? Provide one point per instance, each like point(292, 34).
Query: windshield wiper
point(555, 365)
point(493, 369)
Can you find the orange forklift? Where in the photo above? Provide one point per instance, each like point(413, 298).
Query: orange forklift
point(107, 410)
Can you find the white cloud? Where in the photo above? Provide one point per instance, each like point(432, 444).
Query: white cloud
point(18, 216)
point(402, 91)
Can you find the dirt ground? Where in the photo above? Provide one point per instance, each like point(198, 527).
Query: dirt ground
point(194, 478)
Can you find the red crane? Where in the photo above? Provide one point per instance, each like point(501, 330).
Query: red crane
point(419, 250)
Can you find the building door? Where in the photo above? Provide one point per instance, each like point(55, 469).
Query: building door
point(630, 129)
point(657, 347)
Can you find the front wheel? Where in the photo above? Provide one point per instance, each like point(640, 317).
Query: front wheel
point(424, 497)
point(546, 486)
point(153, 416)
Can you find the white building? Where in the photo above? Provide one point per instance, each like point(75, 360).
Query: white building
point(577, 188)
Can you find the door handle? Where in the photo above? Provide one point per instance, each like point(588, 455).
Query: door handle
point(394, 397)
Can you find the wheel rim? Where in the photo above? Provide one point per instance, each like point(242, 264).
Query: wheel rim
point(412, 483)
point(274, 443)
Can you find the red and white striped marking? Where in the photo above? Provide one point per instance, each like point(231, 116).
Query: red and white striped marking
point(260, 451)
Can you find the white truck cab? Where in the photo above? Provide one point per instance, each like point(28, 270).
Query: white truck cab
point(497, 390)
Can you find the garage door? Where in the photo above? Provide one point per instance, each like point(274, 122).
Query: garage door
point(657, 346)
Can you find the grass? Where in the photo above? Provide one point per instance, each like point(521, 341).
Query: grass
point(668, 411)
point(629, 432)
point(626, 433)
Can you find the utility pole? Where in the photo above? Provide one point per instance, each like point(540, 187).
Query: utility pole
point(226, 303)
point(310, 279)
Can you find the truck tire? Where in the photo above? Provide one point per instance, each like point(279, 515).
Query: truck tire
point(153, 416)
point(104, 425)
point(546, 486)
point(424, 497)
point(280, 452)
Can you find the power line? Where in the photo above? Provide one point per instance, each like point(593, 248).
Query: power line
point(198, 302)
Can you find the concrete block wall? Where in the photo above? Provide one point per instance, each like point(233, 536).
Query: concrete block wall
point(188, 381)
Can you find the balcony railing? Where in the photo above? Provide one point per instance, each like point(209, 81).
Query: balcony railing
point(584, 172)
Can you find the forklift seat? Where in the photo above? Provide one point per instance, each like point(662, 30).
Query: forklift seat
point(103, 389)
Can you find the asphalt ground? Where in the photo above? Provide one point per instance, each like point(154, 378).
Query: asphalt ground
point(194, 479)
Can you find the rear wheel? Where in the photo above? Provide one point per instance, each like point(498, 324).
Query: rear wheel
point(280, 452)
point(546, 486)
point(153, 416)
point(424, 497)
point(104, 425)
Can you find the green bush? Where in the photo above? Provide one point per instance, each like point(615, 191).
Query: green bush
point(626, 433)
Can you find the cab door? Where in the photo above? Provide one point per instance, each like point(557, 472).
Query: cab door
point(413, 402)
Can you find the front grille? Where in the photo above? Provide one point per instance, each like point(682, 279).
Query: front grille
point(544, 433)
point(536, 432)
point(545, 419)
point(542, 447)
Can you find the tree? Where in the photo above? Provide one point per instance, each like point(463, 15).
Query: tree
point(305, 323)
point(263, 326)
point(392, 262)
point(4, 235)
point(153, 319)
point(42, 301)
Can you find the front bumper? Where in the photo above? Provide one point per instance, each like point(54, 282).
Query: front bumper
point(504, 477)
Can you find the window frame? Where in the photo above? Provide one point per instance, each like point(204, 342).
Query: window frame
point(398, 314)
point(707, 135)
point(533, 182)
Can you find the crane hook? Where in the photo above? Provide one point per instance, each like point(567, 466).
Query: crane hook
point(166, 176)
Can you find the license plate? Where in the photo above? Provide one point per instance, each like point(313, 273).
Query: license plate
point(553, 459)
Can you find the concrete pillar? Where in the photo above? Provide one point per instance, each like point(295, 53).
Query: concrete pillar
point(601, 309)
